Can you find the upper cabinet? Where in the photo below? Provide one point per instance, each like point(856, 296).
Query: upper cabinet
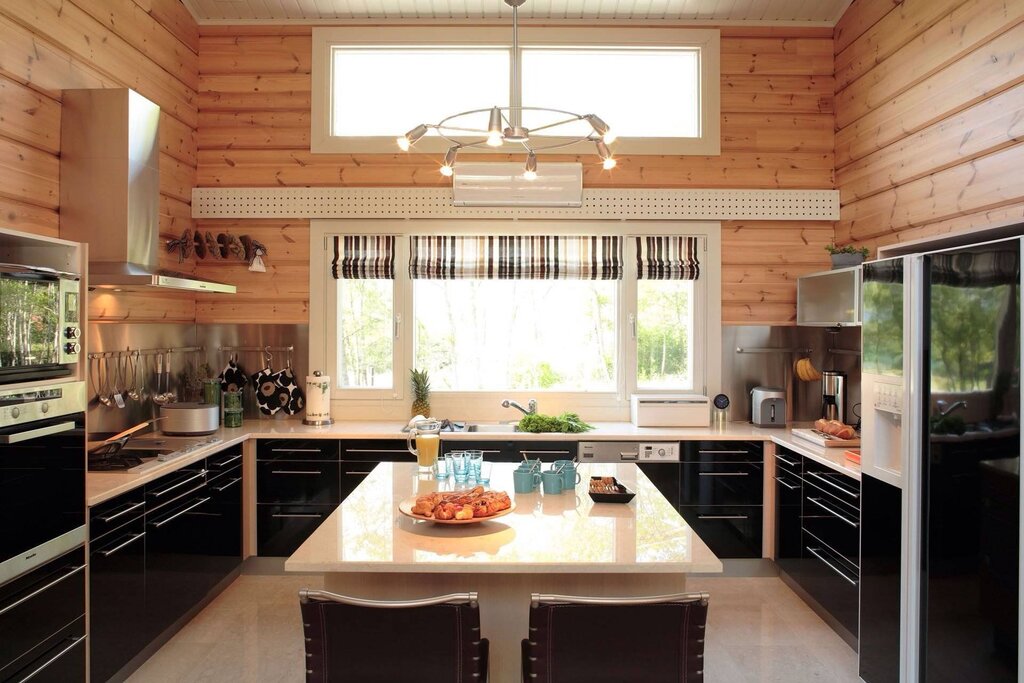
point(829, 299)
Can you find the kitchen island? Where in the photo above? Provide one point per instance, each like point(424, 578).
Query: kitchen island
point(549, 544)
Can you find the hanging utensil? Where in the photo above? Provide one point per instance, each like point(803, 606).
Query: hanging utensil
point(170, 395)
point(107, 399)
point(100, 395)
point(159, 397)
point(134, 357)
point(115, 394)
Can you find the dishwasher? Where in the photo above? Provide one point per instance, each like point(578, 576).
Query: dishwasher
point(659, 460)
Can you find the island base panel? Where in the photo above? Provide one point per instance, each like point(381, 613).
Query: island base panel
point(504, 599)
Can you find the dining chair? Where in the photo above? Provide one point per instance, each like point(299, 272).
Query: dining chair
point(575, 639)
point(392, 641)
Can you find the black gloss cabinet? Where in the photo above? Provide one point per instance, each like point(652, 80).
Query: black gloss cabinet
point(158, 554)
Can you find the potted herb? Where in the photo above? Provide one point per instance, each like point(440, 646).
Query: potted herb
point(846, 256)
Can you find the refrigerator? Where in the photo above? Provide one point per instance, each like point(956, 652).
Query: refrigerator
point(941, 496)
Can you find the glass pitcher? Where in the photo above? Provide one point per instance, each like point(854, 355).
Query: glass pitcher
point(428, 442)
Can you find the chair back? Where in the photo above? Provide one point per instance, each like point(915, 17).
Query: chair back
point(658, 639)
point(374, 641)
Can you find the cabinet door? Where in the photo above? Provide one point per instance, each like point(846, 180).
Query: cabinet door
point(788, 497)
point(117, 598)
point(352, 475)
point(722, 483)
point(547, 451)
point(281, 529)
point(297, 449)
point(723, 451)
point(309, 482)
point(730, 531)
point(831, 581)
point(223, 546)
point(376, 450)
point(495, 451)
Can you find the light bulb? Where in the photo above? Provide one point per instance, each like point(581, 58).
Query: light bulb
point(495, 139)
point(609, 137)
point(447, 168)
point(447, 171)
point(531, 167)
point(410, 138)
point(403, 143)
point(608, 164)
point(605, 154)
point(530, 175)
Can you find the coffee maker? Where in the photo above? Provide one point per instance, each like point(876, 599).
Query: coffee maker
point(833, 395)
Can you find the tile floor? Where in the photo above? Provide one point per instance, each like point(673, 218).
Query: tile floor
point(759, 631)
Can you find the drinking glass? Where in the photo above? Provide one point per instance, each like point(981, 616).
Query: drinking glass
point(474, 459)
point(441, 470)
point(460, 467)
point(484, 477)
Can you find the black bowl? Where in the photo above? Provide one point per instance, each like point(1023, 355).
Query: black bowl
point(621, 494)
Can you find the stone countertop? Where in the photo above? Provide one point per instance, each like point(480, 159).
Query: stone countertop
point(564, 533)
point(101, 486)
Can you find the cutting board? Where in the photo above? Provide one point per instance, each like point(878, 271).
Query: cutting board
point(824, 440)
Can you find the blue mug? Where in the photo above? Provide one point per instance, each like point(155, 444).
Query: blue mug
point(570, 477)
point(525, 481)
point(552, 480)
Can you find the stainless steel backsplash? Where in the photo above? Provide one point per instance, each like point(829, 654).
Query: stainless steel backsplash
point(122, 336)
point(741, 372)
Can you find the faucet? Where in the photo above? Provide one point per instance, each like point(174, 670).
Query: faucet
point(945, 408)
point(530, 409)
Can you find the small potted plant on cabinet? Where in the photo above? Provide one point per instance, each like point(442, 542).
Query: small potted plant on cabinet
point(846, 256)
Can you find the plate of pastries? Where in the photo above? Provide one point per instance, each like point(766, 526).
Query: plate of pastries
point(458, 507)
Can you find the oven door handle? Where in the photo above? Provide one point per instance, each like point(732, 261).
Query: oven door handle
point(51, 584)
point(30, 434)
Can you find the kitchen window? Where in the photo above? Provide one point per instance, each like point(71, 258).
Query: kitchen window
point(657, 88)
point(569, 318)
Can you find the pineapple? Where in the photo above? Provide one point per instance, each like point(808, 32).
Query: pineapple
point(421, 393)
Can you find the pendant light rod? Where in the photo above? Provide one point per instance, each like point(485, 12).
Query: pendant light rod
point(515, 110)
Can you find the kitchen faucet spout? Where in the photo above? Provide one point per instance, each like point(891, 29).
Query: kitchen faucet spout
point(530, 409)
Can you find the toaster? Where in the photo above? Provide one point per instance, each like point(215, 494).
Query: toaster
point(768, 407)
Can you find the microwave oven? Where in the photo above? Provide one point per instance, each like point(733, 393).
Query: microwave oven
point(40, 323)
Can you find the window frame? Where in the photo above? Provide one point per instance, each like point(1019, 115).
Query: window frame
point(707, 41)
point(611, 405)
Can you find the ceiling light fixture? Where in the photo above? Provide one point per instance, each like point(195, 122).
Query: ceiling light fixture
point(505, 124)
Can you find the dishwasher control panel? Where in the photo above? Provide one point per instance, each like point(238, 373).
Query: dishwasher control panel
point(629, 451)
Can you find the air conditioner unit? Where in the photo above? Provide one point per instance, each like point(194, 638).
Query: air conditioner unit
point(503, 184)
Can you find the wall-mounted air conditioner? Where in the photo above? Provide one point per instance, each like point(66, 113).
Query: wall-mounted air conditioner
point(503, 184)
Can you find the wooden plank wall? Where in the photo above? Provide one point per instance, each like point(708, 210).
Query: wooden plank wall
point(777, 132)
point(929, 117)
point(47, 46)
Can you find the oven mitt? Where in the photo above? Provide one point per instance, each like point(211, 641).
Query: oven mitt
point(232, 377)
point(268, 393)
point(296, 400)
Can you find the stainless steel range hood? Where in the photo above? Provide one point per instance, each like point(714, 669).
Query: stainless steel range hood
point(110, 190)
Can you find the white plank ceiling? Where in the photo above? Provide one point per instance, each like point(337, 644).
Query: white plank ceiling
point(763, 12)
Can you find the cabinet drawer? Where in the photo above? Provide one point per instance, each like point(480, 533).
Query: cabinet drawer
point(115, 512)
point(226, 459)
point(831, 582)
point(832, 523)
point(376, 450)
point(172, 487)
point(117, 597)
point(495, 451)
point(281, 529)
point(722, 483)
point(352, 475)
point(723, 451)
point(311, 482)
point(547, 451)
point(38, 605)
point(729, 530)
point(296, 449)
point(788, 462)
point(61, 659)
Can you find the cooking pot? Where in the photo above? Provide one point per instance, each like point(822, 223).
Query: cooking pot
point(189, 419)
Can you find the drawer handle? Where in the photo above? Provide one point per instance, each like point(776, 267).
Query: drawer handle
point(226, 461)
point(53, 659)
point(131, 507)
point(356, 472)
point(727, 452)
point(837, 570)
point(723, 474)
point(834, 485)
point(296, 472)
point(226, 486)
point(111, 551)
point(379, 450)
point(545, 452)
point(36, 592)
point(295, 450)
point(832, 511)
point(296, 515)
point(30, 434)
point(173, 517)
point(794, 463)
point(199, 475)
point(787, 485)
point(722, 517)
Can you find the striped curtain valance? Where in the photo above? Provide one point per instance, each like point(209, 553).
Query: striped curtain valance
point(667, 257)
point(363, 257)
point(986, 266)
point(515, 257)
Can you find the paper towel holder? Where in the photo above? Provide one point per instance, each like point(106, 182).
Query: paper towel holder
point(321, 384)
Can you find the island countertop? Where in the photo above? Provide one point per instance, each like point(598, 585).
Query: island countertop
point(558, 534)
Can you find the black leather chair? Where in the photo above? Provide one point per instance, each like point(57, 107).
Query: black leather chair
point(373, 641)
point(658, 639)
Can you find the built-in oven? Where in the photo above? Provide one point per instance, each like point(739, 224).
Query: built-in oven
point(41, 323)
point(42, 475)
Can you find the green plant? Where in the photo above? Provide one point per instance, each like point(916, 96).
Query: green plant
point(421, 393)
point(569, 423)
point(847, 249)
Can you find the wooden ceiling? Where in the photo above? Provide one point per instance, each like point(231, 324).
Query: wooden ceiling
point(760, 12)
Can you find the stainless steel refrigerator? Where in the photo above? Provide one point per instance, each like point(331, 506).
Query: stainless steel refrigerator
point(941, 467)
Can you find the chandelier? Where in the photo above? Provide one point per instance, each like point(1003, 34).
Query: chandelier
point(505, 125)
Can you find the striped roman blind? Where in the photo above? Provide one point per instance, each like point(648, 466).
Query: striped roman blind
point(667, 257)
point(363, 257)
point(515, 257)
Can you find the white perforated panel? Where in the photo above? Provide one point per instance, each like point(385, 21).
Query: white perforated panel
point(606, 204)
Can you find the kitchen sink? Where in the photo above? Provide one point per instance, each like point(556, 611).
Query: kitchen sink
point(498, 427)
